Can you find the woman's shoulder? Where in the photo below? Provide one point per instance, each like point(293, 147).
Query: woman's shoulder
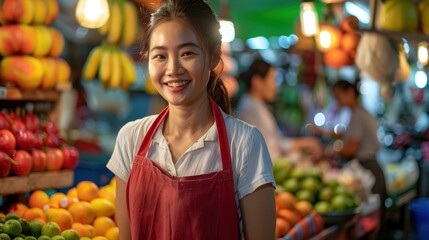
point(138, 125)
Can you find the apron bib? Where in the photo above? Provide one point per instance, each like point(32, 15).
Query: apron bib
point(166, 207)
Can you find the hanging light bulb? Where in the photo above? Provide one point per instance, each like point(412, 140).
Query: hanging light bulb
point(92, 13)
point(423, 53)
point(309, 21)
point(227, 29)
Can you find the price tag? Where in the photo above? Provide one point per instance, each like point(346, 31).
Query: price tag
point(3, 93)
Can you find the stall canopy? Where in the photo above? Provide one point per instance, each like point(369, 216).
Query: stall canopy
point(266, 18)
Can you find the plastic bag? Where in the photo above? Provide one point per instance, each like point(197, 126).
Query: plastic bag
point(357, 178)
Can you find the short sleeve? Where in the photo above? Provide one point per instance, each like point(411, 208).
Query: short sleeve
point(256, 167)
point(355, 128)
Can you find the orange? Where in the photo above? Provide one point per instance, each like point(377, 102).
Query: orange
point(100, 238)
point(86, 191)
point(58, 200)
point(103, 207)
point(2, 215)
point(285, 200)
point(112, 233)
point(102, 224)
point(40, 220)
point(72, 193)
point(282, 227)
point(34, 213)
point(38, 199)
point(90, 229)
point(17, 208)
point(108, 192)
point(82, 212)
point(289, 215)
point(113, 182)
point(303, 207)
point(60, 216)
point(81, 229)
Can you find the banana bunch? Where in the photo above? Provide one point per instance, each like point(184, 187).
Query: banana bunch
point(122, 26)
point(113, 67)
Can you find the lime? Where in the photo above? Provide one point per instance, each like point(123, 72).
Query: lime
point(12, 216)
point(279, 189)
point(297, 173)
point(70, 234)
point(18, 238)
point(310, 183)
point(25, 226)
point(1, 227)
point(51, 229)
point(341, 202)
point(326, 194)
point(322, 207)
point(44, 237)
point(35, 228)
point(30, 238)
point(85, 238)
point(341, 190)
point(4, 236)
point(58, 237)
point(306, 195)
point(331, 182)
point(12, 227)
point(291, 185)
point(2, 219)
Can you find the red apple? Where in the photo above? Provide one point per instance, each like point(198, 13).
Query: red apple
point(24, 139)
point(31, 122)
point(38, 140)
point(7, 141)
point(51, 127)
point(4, 122)
point(24, 163)
point(54, 159)
point(52, 141)
point(16, 123)
point(5, 164)
point(39, 160)
point(71, 157)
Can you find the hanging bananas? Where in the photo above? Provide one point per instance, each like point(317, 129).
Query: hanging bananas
point(111, 65)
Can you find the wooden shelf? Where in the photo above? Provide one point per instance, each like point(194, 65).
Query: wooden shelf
point(36, 180)
point(16, 94)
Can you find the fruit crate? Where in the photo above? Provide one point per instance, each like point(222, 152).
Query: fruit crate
point(36, 180)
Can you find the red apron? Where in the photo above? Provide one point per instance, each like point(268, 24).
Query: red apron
point(162, 206)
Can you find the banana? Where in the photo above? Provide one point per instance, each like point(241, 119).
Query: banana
point(104, 70)
point(116, 76)
point(115, 27)
point(130, 24)
point(103, 30)
point(128, 69)
point(92, 63)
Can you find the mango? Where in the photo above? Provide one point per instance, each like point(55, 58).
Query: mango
point(24, 71)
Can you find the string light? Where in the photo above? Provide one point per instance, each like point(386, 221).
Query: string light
point(92, 13)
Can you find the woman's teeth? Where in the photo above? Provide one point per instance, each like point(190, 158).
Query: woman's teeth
point(176, 84)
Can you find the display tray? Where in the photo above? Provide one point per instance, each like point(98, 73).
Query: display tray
point(336, 217)
point(36, 180)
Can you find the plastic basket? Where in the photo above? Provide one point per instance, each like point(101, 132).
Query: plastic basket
point(419, 209)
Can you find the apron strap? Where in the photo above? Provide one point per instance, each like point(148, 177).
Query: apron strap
point(221, 131)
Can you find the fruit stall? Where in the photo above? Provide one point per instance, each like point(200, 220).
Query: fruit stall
point(59, 77)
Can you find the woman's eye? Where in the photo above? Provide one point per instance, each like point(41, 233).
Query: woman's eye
point(187, 53)
point(158, 57)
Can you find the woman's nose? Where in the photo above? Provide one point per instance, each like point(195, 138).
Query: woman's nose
point(174, 67)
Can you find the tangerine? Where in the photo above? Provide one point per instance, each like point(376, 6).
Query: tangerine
point(285, 200)
point(102, 224)
point(82, 212)
point(38, 199)
point(112, 233)
point(60, 216)
point(87, 190)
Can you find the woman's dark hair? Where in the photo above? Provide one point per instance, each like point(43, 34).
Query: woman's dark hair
point(258, 68)
point(346, 85)
point(201, 18)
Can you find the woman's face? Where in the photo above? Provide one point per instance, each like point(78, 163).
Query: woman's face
point(178, 63)
point(269, 85)
point(342, 96)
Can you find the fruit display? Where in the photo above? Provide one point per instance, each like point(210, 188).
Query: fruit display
point(307, 186)
point(84, 212)
point(30, 144)
point(30, 47)
point(113, 66)
point(339, 44)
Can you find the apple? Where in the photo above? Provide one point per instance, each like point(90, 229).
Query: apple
point(24, 139)
point(38, 140)
point(5, 164)
point(71, 157)
point(39, 160)
point(7, 141)
point(24, 163)
point(51, 127)
point(52, 140)
point(16, 123)
point(31, 122)
point(4, 122)
point(54, 159)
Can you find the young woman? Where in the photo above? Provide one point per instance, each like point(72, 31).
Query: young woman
point(192, 171)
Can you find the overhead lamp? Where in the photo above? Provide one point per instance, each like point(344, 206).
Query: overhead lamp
point(227, 29)
point(423, 53)
point(309, 19)
point(92, 13)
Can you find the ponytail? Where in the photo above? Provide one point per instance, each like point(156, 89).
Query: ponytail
point(217, 91)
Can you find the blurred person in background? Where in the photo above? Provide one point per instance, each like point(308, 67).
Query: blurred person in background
point(253, 107)
point(360, 139)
